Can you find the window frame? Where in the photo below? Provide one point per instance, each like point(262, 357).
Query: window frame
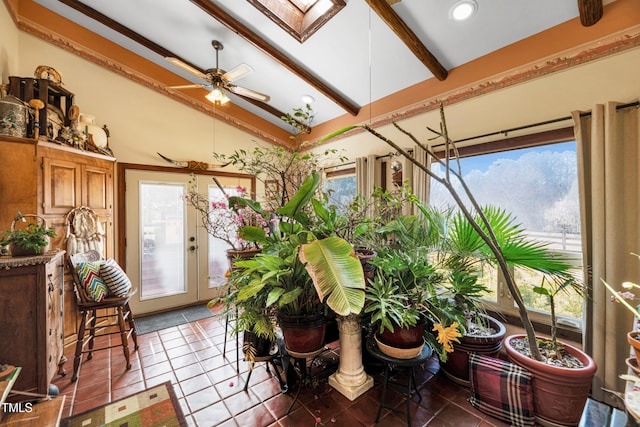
point(505, 305)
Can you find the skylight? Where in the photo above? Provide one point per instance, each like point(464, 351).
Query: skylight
point(300, 18)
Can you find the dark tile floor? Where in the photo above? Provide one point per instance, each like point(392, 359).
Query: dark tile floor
point(211, 392)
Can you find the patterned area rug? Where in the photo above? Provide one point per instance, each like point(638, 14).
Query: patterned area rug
point(156, 322)
point(155, 407)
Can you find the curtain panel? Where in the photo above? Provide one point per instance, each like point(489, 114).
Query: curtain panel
point(421, 182)
point(368, 175)
point(608, 149)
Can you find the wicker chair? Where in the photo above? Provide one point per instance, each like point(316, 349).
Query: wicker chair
point(119, 321)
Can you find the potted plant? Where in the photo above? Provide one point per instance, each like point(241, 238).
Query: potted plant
point(537, 258)
point(291, 277)
point(299, 275)
point(633, 336)
point(253, 318)
point(221, 219)
point(413, 288)
point(33, 239)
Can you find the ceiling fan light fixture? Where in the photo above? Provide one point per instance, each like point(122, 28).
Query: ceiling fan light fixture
point(462, 10)
point(217, 97)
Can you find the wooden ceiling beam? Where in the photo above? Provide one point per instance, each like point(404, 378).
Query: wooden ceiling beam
point(402, 30)
point(590, 11)
point(243, 31)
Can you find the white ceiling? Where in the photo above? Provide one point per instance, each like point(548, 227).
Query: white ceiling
point(356, 53)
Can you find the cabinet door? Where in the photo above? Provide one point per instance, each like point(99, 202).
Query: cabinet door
point(19, 317)
point(97, 188)
point(61, 186)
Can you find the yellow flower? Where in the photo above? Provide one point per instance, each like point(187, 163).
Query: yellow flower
point(447, 335)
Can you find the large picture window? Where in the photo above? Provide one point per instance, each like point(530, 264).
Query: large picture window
point(539, 186)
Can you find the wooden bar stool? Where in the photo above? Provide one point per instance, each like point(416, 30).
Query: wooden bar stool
point(115, 310)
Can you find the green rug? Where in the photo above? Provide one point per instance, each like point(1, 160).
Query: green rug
point(156, 322)
point(155, 407)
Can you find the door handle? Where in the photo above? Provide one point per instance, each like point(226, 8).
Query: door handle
point(192, 248)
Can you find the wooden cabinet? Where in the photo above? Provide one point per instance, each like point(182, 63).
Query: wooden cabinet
point(31, 318)
point(49, 180)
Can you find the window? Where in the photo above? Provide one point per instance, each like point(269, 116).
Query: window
point(300, 18)
point(341, 187)
point(539, 186)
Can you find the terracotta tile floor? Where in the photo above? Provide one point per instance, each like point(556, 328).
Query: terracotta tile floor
point(211, 392)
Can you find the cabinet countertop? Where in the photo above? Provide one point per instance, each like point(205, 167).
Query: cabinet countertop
point(7, 262)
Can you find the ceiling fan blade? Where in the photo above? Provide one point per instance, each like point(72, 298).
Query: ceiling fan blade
point(239, 90)
point(237, 73)
point(187, 67)
point(193, 86)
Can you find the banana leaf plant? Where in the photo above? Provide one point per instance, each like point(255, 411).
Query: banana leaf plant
point(296, 271)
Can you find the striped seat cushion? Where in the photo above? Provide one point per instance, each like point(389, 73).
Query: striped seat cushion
point(89, 275)
point(115, 278)
point(501, 389)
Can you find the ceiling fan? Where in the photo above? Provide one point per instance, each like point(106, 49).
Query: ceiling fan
point(217, 80)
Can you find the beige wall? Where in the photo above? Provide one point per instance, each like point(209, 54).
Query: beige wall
point(614, 78)
point(141, 121)
point(8, 46)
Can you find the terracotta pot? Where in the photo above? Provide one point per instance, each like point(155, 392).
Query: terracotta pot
point(303, 334)
point(411, 337)
point(397, 352)
point(456, 367)
point(560, 394)
point(633, 338)
point(233, 256)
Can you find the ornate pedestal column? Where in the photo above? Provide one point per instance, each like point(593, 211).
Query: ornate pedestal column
point(351, 380)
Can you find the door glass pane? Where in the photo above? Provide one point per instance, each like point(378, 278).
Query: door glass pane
point(218, 263)
point(162, 227)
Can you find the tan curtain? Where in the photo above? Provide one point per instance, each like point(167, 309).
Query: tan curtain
point(421, 181)
point(362, 183)
point(368, 175)
point(608, 160)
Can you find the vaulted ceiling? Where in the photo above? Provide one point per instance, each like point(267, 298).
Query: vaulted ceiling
point(369, 52)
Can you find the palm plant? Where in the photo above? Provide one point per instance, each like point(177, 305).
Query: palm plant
point(456, 186)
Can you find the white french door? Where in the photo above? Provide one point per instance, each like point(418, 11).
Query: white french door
point(169, 257)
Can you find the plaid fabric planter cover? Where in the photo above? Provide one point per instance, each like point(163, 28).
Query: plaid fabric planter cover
point(501, 389)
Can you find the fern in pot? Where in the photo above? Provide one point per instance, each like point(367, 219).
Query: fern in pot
point(33, 239)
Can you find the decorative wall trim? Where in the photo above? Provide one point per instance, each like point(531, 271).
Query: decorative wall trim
point(601, 48)
point(598, 49)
